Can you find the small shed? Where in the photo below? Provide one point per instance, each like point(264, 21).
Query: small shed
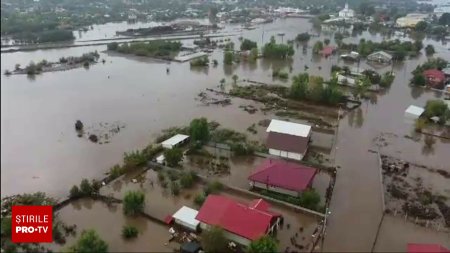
point(175, 140)
point(413, 112)
point(185, 217)
point(380, 56)
point(161, 159)
point(190, 247)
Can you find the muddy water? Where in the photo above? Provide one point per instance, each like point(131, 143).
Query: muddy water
point(108, 222)
point(40, 149)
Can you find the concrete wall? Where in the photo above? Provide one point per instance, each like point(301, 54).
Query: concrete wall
point(186, 225)
point(290, 155)
point(230, 236)
point(275, 189)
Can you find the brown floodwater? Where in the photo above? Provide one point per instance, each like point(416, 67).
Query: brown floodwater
point(41, 151)
point(108, 223)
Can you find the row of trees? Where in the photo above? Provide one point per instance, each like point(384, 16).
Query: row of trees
point(158, 48)
point(305, 87)
point(398, 48)
point(277, 51)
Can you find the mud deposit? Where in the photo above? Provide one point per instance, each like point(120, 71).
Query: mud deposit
point(417, 193)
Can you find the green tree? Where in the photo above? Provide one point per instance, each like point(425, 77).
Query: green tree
point(266, 244)
point(213, 240)
point(173, 156)
point(235, 78)
point(445, 19)
point(310, 199)
point(85, 188)
point(6, 227)
point(299, 87)
point(228, 57)
point(318, 46)
point(199, 130)
point(133, 202)
point(248, 45)
point(112, 46)
point(437, 108)
point(326, 41)
point(253, 54)
point(419, 80)
point(429, 50)
point(89, 241)
point(74, 192)
point(303, 37)
point(187, 180)
point(421, 26)
point(129, 232)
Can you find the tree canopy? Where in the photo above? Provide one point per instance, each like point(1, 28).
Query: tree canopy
point(199, 130)
point(133, 202)
point(213, 240)
point(303, 37)
point(248, 45)
point(173, 156)
point(266, 244)
point(228, 57)
point(444, 19)
point(89, 241)
point(279, 51)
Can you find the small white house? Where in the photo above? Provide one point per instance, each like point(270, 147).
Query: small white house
point(413, 112)
point(185, 217)
point(161, 159)
point(344, 80)
point(174, 141)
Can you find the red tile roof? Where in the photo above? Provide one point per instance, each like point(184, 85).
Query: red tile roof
point(327, 51)
point(287, 142)
point(283, 174)
point(426, 248)
point(250, 221)
point(435, 74)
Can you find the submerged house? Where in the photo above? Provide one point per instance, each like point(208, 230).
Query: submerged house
point(380, 57)
point(435, 78)
point(283, 177)
point(243, 223)
point(288, 139)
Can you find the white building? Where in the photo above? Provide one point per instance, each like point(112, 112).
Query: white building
point(347, 12)
point(411, 20)
point(413, 112)
point(288, 139)
point(174, 141)
point(185, 217)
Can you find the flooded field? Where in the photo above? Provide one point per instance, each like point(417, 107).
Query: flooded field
point(108, 222)
point(41, 151)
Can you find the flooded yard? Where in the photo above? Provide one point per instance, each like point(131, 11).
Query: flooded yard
point(108, 222)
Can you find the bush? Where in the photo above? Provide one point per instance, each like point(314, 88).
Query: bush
point(310, 199)
point(200, 62)
point(213, 187)
point(303, 37)
point(175, 188)
point(89, 242)
point(228, 57)
point(134, 159)
point(248, 45)
point(129, 232)
point(187, 180)
point(199, 199)
point(112, 46)
point(86, 188)
point(116, 171)
point(133, 202)
point(173, 156)
point(74, 192)
point(429, 50)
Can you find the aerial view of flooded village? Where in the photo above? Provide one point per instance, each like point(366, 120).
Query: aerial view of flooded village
point(228, 125)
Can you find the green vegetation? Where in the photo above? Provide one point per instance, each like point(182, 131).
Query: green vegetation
point(253, 54)
point(199, 199)
point(266, 244)
point(129, 232)
point(213, 240)
point(397, 48)
point(215, 63)
point(303, 37)
point(157, 48)
point(173, 156)
point(133, 203)
point(309, 199)
point(280, 74)
point(235, 78)
point(318, 46)
point(228, 57)
point(277, 51)
point(200, 62)
point(445, 19)
point(175, 188)
point(311, 88)
point(187, 180)
point(437, 108)
point(429, 50)
point(89, 241)
point(86, 189)
point(433, 63)
point(387, 79)
point(248, 45)
point(326, 41)
point(199, 130)
point(213, 187)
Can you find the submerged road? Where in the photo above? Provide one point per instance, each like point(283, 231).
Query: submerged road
point(356, 206)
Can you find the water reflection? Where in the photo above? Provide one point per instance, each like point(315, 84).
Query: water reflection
point(428, 147)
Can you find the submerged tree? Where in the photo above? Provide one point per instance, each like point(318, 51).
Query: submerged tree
point(266, 244)
point(199, 130)
point(133, 202)
point(89, 241)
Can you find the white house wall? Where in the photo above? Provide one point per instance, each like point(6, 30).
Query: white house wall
point(276, 189)
point(185, 224)
point(290, 155)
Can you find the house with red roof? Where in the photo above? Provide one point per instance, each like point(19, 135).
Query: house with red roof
point(283, 177)
point(327, 51)
point(426, 248)
point(242, 223)
point(435, 78)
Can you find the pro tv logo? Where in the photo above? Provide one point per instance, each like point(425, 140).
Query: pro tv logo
point(32, 224)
